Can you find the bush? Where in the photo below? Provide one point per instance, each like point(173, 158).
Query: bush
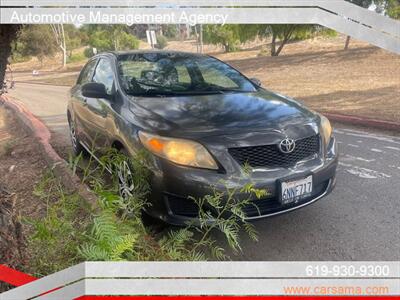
point(228, 36)
point(170, 31)
point(162, 42)
point(330, 33)
point(77, 57)
point(126, 41)
point(18, 58)
point(88, 52)
point(72, 231)
point(104, 40)
point(101, 40)
point(36, 40)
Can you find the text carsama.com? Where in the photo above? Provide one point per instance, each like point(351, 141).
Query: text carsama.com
point(128, 18)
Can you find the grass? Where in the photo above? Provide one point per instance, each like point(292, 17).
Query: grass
point(71, 231)
point(76, 57)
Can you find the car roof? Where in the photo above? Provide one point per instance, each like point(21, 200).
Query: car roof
point(165, 52)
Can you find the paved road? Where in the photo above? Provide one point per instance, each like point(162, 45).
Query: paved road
point(360, 220)
point(47, 102)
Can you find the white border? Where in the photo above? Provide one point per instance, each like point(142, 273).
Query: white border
point(335, 14)
point(195, 278)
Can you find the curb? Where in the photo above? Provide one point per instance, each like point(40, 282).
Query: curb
point(360, 121)
point(58, 165)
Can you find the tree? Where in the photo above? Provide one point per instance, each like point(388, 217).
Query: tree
point(36, 40)
point(74, 38)
point(229, 36)
point(283, 33)
point(8, 34)
point(393, 9)
point(59, 34)
point(170, 30)
point(390, 7)
point(126, 41)
point(111, 38)
point(101, 40)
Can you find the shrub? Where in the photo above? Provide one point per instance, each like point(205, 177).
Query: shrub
point(170, 31)
point(227, 36)
point(72, 232)
point(77, 57)
point(36, 40)
point(110, 40)
point(88, 52)
point(102, 40)
point(126, 41)
point(162, 42)
point(330, 33)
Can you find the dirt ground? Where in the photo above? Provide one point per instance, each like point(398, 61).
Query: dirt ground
point(363, 81)
point(21, 168)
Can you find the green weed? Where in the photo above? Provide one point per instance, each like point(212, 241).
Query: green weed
point(72, 232)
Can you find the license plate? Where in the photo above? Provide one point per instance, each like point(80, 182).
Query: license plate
point(293, 191)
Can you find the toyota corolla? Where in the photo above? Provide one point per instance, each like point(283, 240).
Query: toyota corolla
point(203, 123)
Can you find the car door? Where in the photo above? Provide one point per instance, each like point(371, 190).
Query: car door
point(98, 109)
point(79, 102)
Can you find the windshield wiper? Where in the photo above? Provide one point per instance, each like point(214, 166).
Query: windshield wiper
point(173, 93)
point(233, 91)
point(186, 93)
point(153, 94)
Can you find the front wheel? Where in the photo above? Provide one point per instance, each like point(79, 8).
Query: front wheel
point(126, 188)
point(125, 179)
point(77, 148)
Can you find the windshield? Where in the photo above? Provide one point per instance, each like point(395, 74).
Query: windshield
point(161, 74)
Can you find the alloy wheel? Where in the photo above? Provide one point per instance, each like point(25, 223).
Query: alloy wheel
point(72, 133)
point(125, 180)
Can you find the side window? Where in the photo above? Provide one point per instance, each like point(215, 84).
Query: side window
point(104, 74)
point(86, 74)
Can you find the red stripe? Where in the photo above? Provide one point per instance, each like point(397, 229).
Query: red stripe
point(234, 297)
point(14, 277)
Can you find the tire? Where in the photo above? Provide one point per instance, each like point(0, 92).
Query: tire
point(77, 148)
point(125, 188)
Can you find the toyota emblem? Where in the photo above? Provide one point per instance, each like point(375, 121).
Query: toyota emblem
point(287, 146)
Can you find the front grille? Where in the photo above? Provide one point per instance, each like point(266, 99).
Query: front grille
point(270, 156)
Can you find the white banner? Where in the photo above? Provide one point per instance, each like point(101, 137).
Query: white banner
point(216, 278)
point(339, 15)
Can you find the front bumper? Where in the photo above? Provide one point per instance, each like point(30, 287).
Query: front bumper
point(172, 187)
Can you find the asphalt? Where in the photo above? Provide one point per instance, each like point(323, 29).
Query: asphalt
point(360, 220)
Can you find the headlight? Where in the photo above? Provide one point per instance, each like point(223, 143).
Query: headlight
point(182, 152)
point(326, 129)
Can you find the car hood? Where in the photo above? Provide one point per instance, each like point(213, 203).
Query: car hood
point(208, 115)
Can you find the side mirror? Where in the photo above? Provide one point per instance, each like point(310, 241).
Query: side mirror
point(256, 81)
point(95, 90)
